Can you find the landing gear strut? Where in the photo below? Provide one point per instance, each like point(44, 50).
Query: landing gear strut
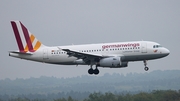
point(145, 64)
point(95, 71)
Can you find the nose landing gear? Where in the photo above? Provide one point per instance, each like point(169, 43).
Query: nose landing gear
point(145, 64)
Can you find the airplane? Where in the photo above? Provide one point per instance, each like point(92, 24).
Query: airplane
point(109, 55)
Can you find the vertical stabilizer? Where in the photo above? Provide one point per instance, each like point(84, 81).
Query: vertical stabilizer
point(26, 41)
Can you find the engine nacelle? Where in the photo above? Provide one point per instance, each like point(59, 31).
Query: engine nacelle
point(79, 61)
point(113, 62)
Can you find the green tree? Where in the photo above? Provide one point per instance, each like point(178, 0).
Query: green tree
point(61, 99)
point(110, 97)
point(20, 99)
point(70, 99)
point(95, 97)
point(143, 97)
point(171, 95)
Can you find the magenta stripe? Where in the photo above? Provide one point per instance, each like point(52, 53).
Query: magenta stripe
point(18, 39)
point(28, 40)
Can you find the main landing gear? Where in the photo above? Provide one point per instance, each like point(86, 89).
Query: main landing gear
point(145, 64)
point(93, 71)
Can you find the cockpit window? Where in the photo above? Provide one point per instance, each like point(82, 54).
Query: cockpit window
point(157, 46)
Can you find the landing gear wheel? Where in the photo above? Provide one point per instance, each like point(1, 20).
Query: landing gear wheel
point(96, 71)
point(91, 71)
point(145, 64)
point(146, 68)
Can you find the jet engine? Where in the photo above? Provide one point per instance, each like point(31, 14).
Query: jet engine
point(113, 62)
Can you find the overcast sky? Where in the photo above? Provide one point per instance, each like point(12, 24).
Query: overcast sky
point(89, 21)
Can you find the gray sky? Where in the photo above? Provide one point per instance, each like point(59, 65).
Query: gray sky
point(89, 21)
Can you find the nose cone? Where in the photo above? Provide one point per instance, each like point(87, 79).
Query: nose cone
point(166, 52)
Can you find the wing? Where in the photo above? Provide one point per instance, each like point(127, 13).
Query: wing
point(88, 58)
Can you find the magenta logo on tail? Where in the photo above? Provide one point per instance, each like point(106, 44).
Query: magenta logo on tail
point(25, 40)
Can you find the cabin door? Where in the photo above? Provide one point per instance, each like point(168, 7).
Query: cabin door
point(143, 47)
point(45, 54)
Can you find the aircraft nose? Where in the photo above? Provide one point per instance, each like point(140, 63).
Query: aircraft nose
point(166, 51)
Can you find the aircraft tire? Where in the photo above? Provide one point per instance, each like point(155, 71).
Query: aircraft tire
point(91, 71)
point(96, 71)
point(146, 68)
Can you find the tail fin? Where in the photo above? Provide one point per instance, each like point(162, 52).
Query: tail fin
point(26, 41)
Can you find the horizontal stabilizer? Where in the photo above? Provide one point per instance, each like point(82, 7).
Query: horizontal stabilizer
point(16, 52)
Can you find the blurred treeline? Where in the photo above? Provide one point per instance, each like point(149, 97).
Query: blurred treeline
point(83, 87)
point(156, 95)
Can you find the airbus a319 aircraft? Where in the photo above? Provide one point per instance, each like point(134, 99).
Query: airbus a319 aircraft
point(110, 55)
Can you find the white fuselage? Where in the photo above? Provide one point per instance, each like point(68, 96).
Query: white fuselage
point(128, 51)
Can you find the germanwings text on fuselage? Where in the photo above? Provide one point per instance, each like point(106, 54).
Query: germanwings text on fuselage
point(120, 45)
